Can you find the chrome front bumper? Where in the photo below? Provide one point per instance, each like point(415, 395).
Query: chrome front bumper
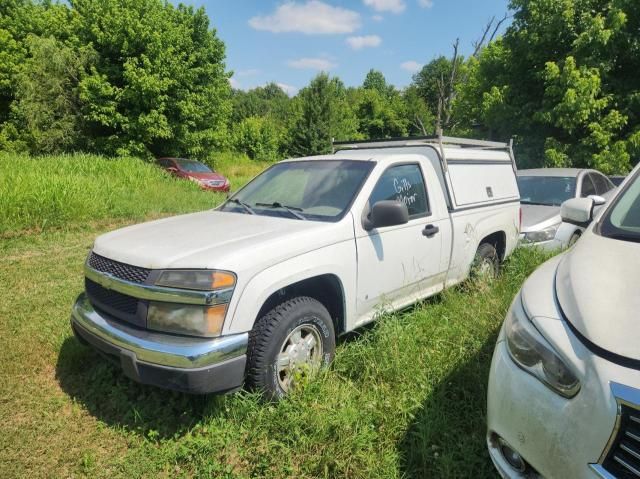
point(189, 364)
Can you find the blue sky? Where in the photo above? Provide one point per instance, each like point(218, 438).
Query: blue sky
point(289, 42)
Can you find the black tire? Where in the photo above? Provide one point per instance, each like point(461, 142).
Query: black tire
point(268, 336)
point(486, 255)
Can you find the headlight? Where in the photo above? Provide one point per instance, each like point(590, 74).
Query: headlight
point(542, 235)
point(186, 319)
point(534, 354)
point(196, 320)
point(200, 279)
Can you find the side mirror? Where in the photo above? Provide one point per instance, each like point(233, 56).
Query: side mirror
point(386, 213)
point(172, 169)
point(597, 200)
point(577, 211)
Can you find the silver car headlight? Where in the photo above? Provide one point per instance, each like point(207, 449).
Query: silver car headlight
point(542, 235)
point(529, 350)
point(195, 320)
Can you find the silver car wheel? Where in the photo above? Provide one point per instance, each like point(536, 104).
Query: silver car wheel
point(301, 350)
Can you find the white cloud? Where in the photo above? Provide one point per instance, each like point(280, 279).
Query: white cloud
point(394, 6)
point(358, 43)
point(425, 3)
point(313, 17)
point(377, 18)
point(411, 66)
point(288, 89)
point(312, 64)
point(234, 83)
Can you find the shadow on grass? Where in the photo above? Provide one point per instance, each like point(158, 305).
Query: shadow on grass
point(447, 436)
point(111, 397)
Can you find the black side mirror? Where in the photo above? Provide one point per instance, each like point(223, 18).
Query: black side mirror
point(386, 213)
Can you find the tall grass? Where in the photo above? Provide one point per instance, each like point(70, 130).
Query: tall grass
point(55, 191)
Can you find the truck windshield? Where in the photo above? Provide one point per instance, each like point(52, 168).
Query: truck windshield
point(319, 190)
point(546, 190)
point(622, 220)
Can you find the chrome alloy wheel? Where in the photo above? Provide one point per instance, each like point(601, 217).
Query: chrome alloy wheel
point(301, 349)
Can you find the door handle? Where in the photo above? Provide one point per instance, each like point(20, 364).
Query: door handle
point(430, 230)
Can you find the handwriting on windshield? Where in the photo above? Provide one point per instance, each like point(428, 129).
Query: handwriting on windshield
point(404, 191)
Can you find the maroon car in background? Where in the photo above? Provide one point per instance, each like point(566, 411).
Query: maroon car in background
point(193, 170)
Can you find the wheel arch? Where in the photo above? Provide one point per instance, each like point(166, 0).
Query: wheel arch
point(325, 288)
point(498, 240)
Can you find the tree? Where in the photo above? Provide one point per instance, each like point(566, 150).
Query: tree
point(563, 81)
point(375, 80)
point(258, 137)
point(158, 86)
point(380, 115)
point(47, 106)
point(323, 115)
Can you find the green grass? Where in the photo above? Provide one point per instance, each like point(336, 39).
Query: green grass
point(72, 190)
point(404, 398)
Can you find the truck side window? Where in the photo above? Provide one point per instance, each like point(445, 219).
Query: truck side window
point(587, 186)
point(403, 183)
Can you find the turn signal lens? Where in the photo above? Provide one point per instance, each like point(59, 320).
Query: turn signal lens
point(222, 279)
point(200, 279)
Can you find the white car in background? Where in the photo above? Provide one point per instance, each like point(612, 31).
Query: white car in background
point(564, 387)
point(543, 190)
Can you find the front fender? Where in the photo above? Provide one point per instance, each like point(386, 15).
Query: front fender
point(338, 259)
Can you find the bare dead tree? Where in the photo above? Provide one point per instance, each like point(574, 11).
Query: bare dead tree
point(448, 88)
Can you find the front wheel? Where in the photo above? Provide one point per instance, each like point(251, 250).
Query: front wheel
point(288, 342)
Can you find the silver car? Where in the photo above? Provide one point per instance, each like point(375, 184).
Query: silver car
point(543, 190)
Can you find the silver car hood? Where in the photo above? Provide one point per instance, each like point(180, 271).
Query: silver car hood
point(597, 289)
point(538, 217)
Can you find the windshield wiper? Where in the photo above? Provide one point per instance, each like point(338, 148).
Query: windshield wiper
point(291, 209)
point(247, 208)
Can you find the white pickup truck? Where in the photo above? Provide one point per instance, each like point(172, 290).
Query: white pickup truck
point(255, 292)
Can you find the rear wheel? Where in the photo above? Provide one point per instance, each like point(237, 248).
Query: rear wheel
point(486, 264)
point(293, 339)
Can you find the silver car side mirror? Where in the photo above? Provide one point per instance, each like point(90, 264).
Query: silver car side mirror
point(597, 200)
point(578, 211)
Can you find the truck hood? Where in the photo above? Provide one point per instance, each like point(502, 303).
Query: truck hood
point(597, 289)
point(538, 217)
point(216, 239)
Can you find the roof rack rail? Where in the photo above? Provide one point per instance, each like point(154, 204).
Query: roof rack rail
point(438, 140)
point(419, 140)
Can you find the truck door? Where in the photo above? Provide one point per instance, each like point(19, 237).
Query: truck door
point(397, 265)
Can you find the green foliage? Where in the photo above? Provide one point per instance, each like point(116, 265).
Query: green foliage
point(47, 105)
point(269, 100)
point(258, 137)
point(380, 115)
point(159, 86)
point(563, 80)
point(323, 115)
point(134, 77)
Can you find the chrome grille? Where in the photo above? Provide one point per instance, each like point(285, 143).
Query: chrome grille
point(127, 272)
point(623, 459)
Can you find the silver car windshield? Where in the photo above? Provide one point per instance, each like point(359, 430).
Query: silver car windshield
point(546, 190)
point(319, 190)
point(622, 220)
